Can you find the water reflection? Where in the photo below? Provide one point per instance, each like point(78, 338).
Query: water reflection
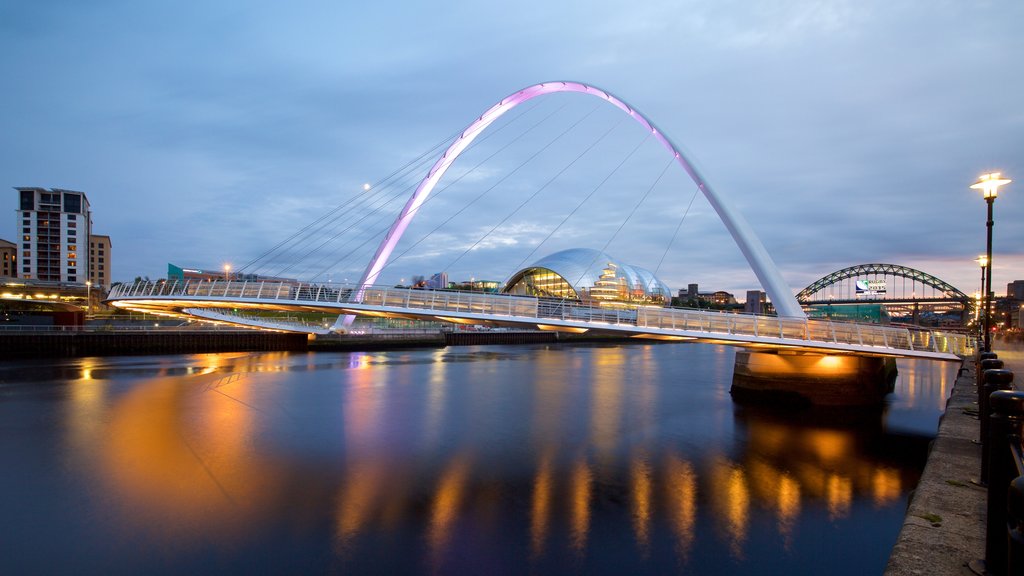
point(533, 458)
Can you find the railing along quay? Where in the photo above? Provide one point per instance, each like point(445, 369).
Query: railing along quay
point(541, 309)
point(1001, 416)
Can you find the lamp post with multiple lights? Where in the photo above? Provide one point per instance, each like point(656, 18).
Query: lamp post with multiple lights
point(989, 185)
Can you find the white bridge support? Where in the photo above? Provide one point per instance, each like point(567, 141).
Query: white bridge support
point(757, 256)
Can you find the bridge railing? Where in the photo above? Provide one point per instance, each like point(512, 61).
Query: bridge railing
point(441, 301)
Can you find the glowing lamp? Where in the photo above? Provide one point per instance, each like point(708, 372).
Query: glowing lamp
point(989, 184)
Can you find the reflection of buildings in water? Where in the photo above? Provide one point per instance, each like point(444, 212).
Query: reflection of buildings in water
point(86, 409)
point(437, 388)
point(181, 448)
point(919, 381)
point(540, 505)
point(180, 476)
point(641, 504)
point(789, 458)
point(580, 487)
point(838, 496)
point(608, 369)
point(444, 510)
point(370, 471)
point(730, 500)
point(777, 490)
point(681, 501)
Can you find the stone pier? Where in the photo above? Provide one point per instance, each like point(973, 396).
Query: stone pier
point(812, 379)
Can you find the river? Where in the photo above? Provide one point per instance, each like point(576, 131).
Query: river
point(542, 459)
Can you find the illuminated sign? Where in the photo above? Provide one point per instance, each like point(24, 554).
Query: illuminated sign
point(870, 287)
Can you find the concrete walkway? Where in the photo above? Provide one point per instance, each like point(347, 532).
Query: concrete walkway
point(944, 529)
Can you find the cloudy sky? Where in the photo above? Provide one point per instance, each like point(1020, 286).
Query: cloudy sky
point(203, 133)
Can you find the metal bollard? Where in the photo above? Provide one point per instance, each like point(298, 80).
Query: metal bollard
point(981, 358)
point(1015, 526)
point(1007, 421)
point(992, 380)
point(986, 364)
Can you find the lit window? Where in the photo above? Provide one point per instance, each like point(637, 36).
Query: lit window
point(72, 247)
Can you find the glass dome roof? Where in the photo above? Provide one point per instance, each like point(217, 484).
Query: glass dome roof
point(585, 269)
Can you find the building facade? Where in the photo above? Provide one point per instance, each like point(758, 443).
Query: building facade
point(55, 226)
point(8, 259)
point(757, 301)
point(99, 260)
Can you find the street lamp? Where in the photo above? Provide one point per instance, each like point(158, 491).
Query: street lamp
point(227, 272)
point(88, 297)
point(983, 262)
point(989, 185)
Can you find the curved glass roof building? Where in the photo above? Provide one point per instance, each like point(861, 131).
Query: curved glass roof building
point(590, 276)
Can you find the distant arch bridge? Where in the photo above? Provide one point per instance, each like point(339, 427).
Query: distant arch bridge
point(902, 290)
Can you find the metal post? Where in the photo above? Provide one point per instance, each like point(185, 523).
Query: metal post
point(977, 370)
point(988, 279)
point(1007, 421)
point(981, 325)
point(1015, 526)
point(993, 378)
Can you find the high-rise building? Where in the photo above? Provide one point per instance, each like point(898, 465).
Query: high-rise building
point(55, 224)
point(99, 260)
point(8, 259)
point(1015, 290)
point(756, 302)
point(438, 281)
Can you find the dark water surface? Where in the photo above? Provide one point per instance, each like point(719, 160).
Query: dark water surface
point(596, 459)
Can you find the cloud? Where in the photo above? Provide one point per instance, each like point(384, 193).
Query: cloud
point(846, 132)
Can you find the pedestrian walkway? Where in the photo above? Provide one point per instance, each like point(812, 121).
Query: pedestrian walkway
point(944, 530)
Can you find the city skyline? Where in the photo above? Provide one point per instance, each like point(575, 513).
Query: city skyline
point(845, 133)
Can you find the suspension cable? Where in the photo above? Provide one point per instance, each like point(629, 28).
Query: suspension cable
point(598, 187)
point(434, 195)
point(413, 167)
point(678, 226)
point(535, 193)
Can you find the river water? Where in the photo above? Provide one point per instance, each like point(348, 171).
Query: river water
point(543, 459)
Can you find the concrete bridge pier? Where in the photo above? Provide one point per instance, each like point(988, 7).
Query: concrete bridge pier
point(811, 379)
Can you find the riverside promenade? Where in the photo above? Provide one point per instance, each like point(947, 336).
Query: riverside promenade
point(944, 529)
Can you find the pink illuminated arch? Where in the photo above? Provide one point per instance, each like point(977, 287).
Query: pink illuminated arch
point(752, 248)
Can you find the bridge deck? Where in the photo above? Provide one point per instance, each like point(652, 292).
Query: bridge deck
point(766, 332)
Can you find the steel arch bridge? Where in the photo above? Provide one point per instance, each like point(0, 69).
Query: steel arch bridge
point(940, 289)
point(906, 294)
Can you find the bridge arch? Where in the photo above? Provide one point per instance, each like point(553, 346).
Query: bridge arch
point(885, 269)
point(750, 245)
